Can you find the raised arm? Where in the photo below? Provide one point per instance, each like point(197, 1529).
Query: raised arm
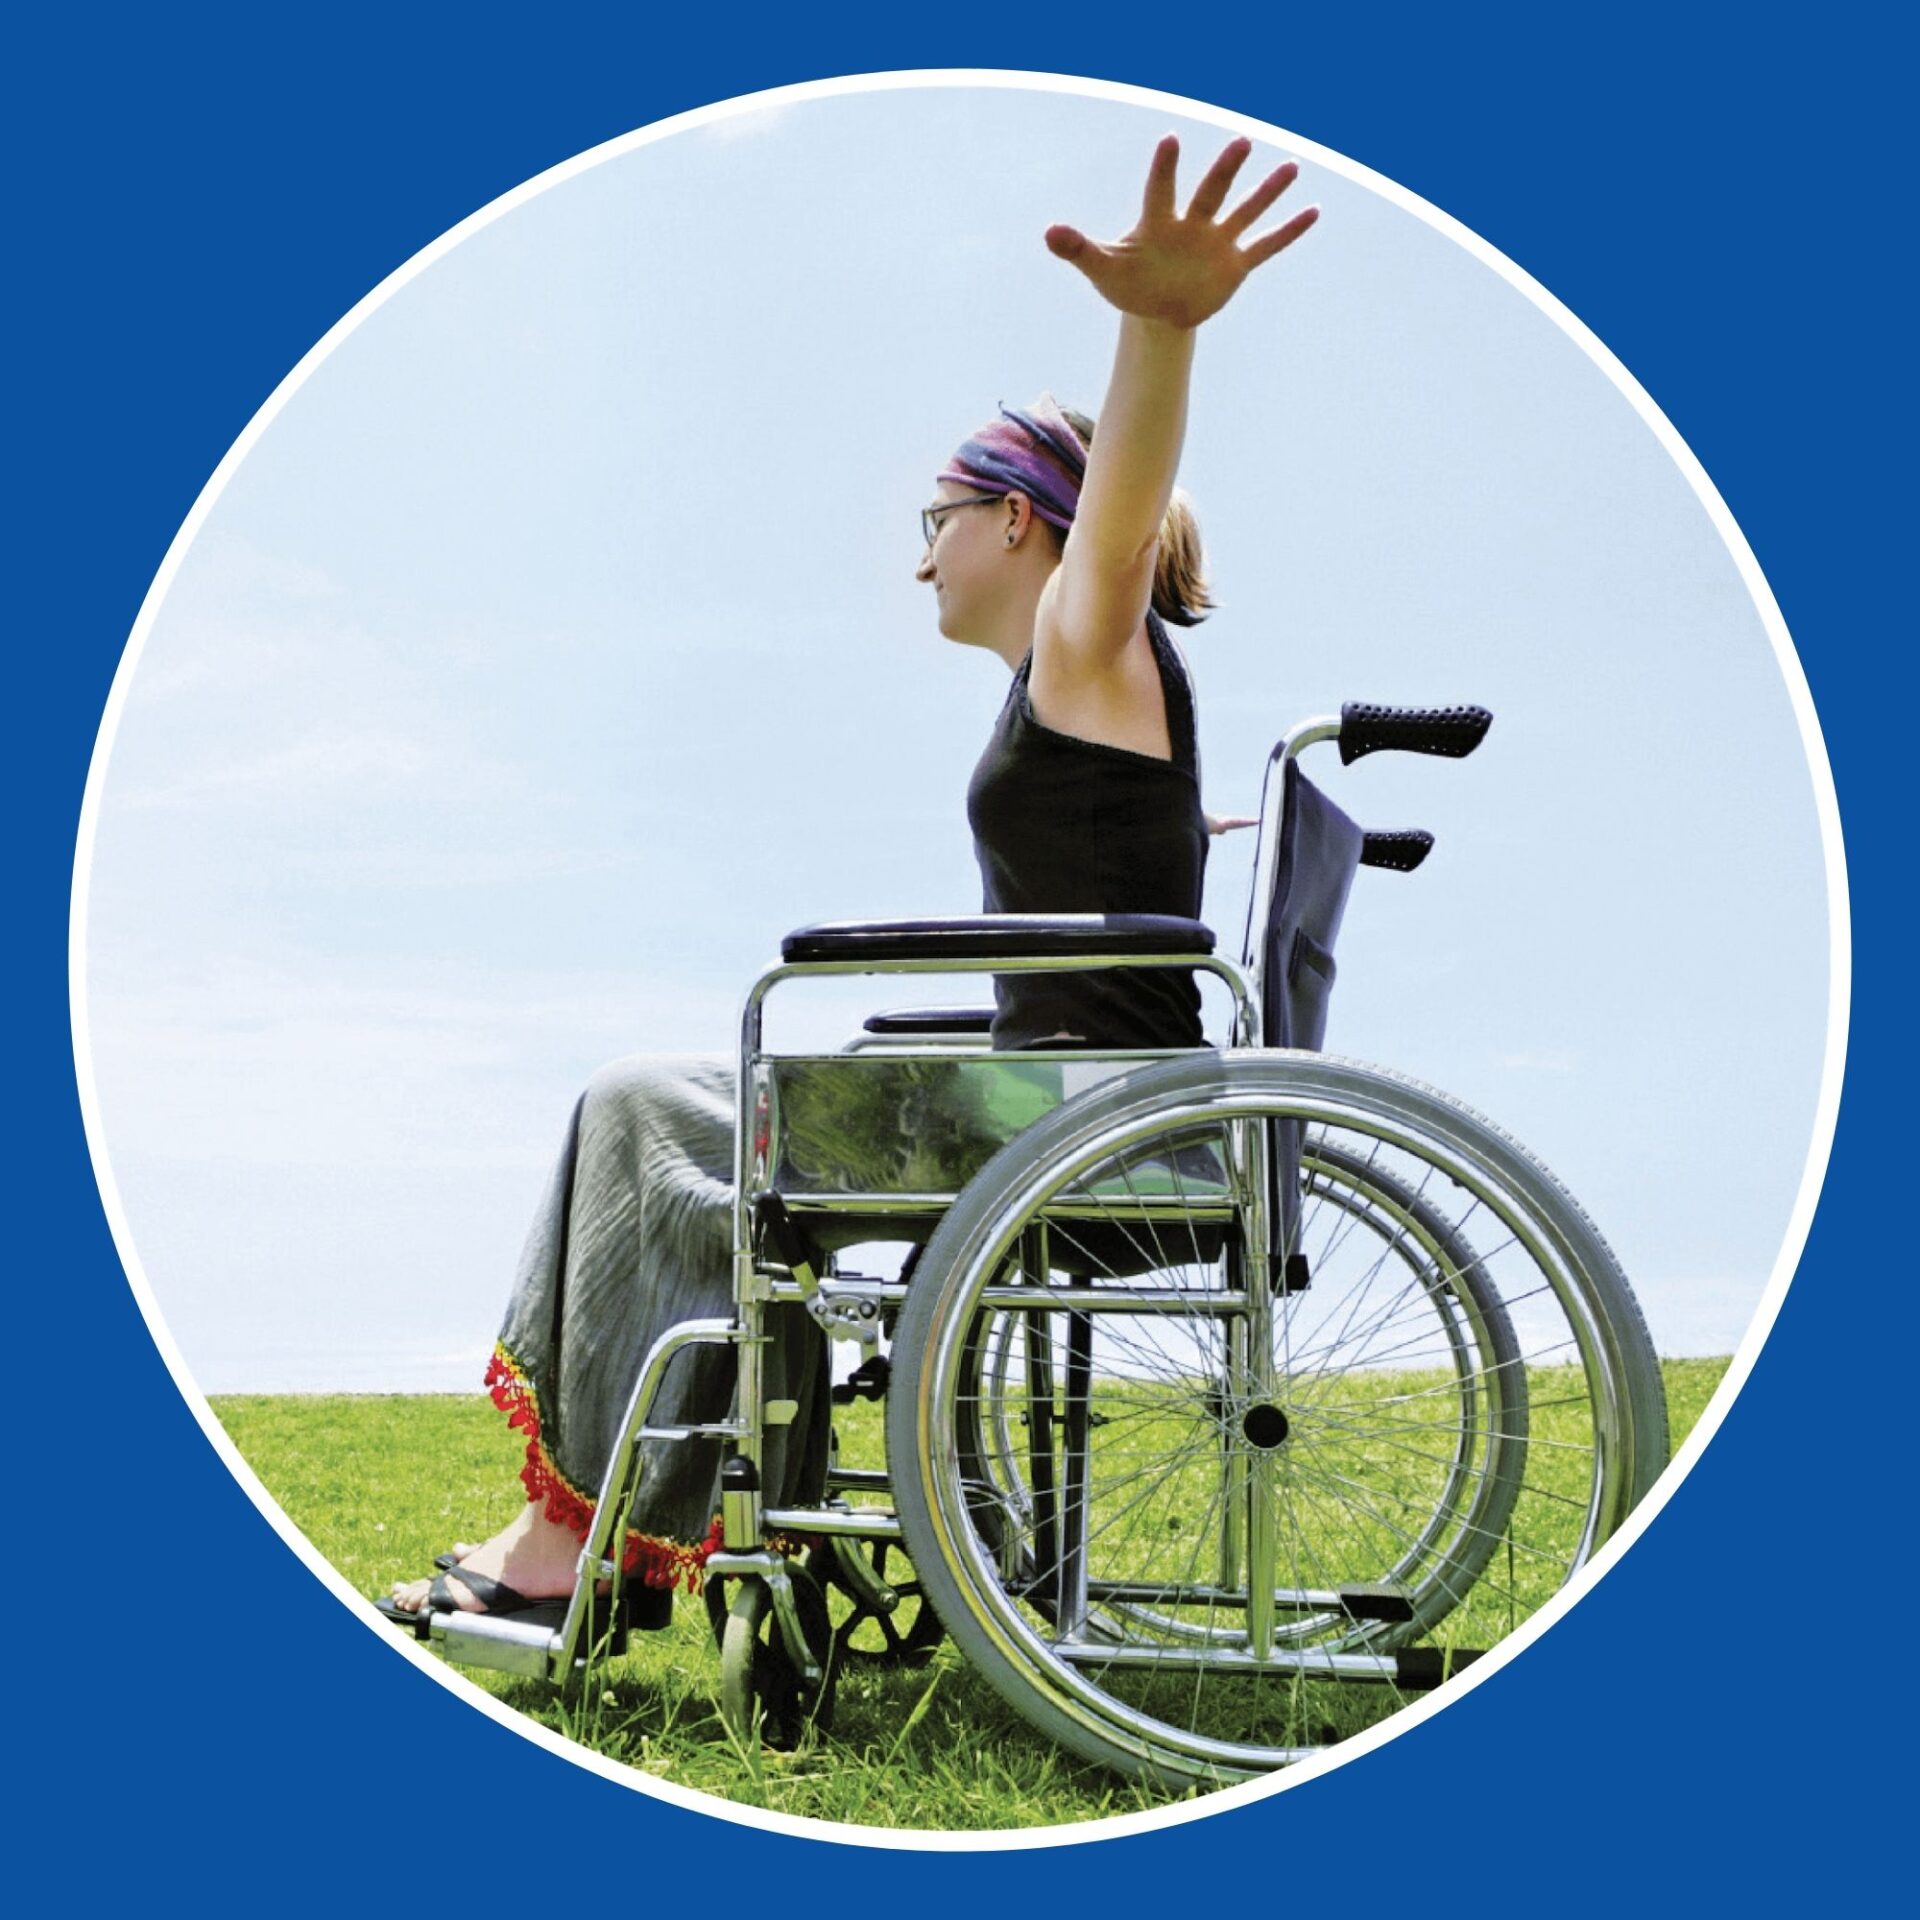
point(1166, 276)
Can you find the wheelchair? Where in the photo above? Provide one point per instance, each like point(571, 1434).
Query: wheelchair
point(1210, 1377)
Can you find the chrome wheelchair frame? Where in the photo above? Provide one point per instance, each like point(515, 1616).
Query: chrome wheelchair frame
point(1394, 1370)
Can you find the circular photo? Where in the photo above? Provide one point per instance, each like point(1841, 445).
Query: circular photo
point(820, 911)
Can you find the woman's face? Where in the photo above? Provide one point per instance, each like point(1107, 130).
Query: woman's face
point(962, 564)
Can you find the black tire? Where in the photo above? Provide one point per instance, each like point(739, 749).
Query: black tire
point(1369, 1472)
point(763, 1695)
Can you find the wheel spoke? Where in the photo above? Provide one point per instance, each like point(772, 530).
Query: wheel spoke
point(1184, 1469)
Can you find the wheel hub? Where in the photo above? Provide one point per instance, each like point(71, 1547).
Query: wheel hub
point(1265, 1425)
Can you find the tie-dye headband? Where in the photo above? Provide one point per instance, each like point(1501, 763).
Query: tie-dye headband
point(1036, 453)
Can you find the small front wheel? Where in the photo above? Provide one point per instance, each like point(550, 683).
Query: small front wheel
point(764, 1693)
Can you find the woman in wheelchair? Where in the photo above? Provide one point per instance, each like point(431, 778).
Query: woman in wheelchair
point(1066, 552)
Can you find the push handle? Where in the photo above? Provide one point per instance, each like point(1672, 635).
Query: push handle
point(1400, 852)
point(1452, 732)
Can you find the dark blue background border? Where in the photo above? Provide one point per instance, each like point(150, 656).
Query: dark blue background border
point(199, 197)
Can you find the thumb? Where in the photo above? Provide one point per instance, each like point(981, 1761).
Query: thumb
point(1066, 243)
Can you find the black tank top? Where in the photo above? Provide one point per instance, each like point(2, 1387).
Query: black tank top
point(1063, 825)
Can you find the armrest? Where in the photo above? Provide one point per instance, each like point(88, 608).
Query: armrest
point(931, 1020)
point(1000, 936)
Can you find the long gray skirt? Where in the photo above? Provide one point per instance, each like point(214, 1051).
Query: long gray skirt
point(635, 1232)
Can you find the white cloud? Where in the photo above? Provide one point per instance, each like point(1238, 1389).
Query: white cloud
point(240, 1061)
point(446, 867)
point(367, 762)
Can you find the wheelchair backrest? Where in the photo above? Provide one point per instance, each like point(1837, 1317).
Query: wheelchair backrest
point(1319, 852)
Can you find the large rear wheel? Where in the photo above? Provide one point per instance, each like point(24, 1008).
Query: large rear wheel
point(1152, 1491)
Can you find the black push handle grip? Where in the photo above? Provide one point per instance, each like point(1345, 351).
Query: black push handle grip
point(1452, 732)
point(1399, 852)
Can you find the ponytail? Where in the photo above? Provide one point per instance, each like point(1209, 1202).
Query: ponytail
point(1181, 596)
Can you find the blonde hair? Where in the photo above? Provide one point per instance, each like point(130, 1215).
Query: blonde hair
point(1181, 594)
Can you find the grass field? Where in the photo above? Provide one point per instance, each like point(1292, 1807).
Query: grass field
point(380, 1484)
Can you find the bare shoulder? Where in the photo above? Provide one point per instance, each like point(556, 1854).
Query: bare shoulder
point(1120, 705)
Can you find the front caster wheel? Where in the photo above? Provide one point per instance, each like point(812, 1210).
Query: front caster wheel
point(764, 1694)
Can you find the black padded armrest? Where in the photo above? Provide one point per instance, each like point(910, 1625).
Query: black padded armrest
point(1000, 936)
point(931, 1020)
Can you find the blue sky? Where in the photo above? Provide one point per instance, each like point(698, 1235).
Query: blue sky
point(555, 648)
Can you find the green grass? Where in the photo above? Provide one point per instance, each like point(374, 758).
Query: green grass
point(380, 1484)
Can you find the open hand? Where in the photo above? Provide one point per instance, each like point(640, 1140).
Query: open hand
point(1229, 823)
point(1183, 268)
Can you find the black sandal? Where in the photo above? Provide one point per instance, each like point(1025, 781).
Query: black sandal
point(647, 1609)
point(495, 1597)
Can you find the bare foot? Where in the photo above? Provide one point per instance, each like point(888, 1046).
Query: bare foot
point(532, 1554)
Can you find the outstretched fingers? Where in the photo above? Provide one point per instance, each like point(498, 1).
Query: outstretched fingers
point(1261, 198)
point(1158, 203)
point(1280, 239)
point(1183, 268)
point(1211, 194)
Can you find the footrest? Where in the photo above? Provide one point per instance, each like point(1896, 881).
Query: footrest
point(519, 1643)
point(1418, 1669)
point(524, 1642)
point(1379, 1601)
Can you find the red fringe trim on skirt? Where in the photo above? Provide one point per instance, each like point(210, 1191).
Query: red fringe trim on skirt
point(657, 1562)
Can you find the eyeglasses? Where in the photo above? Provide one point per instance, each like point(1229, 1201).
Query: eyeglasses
point(930, 517)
